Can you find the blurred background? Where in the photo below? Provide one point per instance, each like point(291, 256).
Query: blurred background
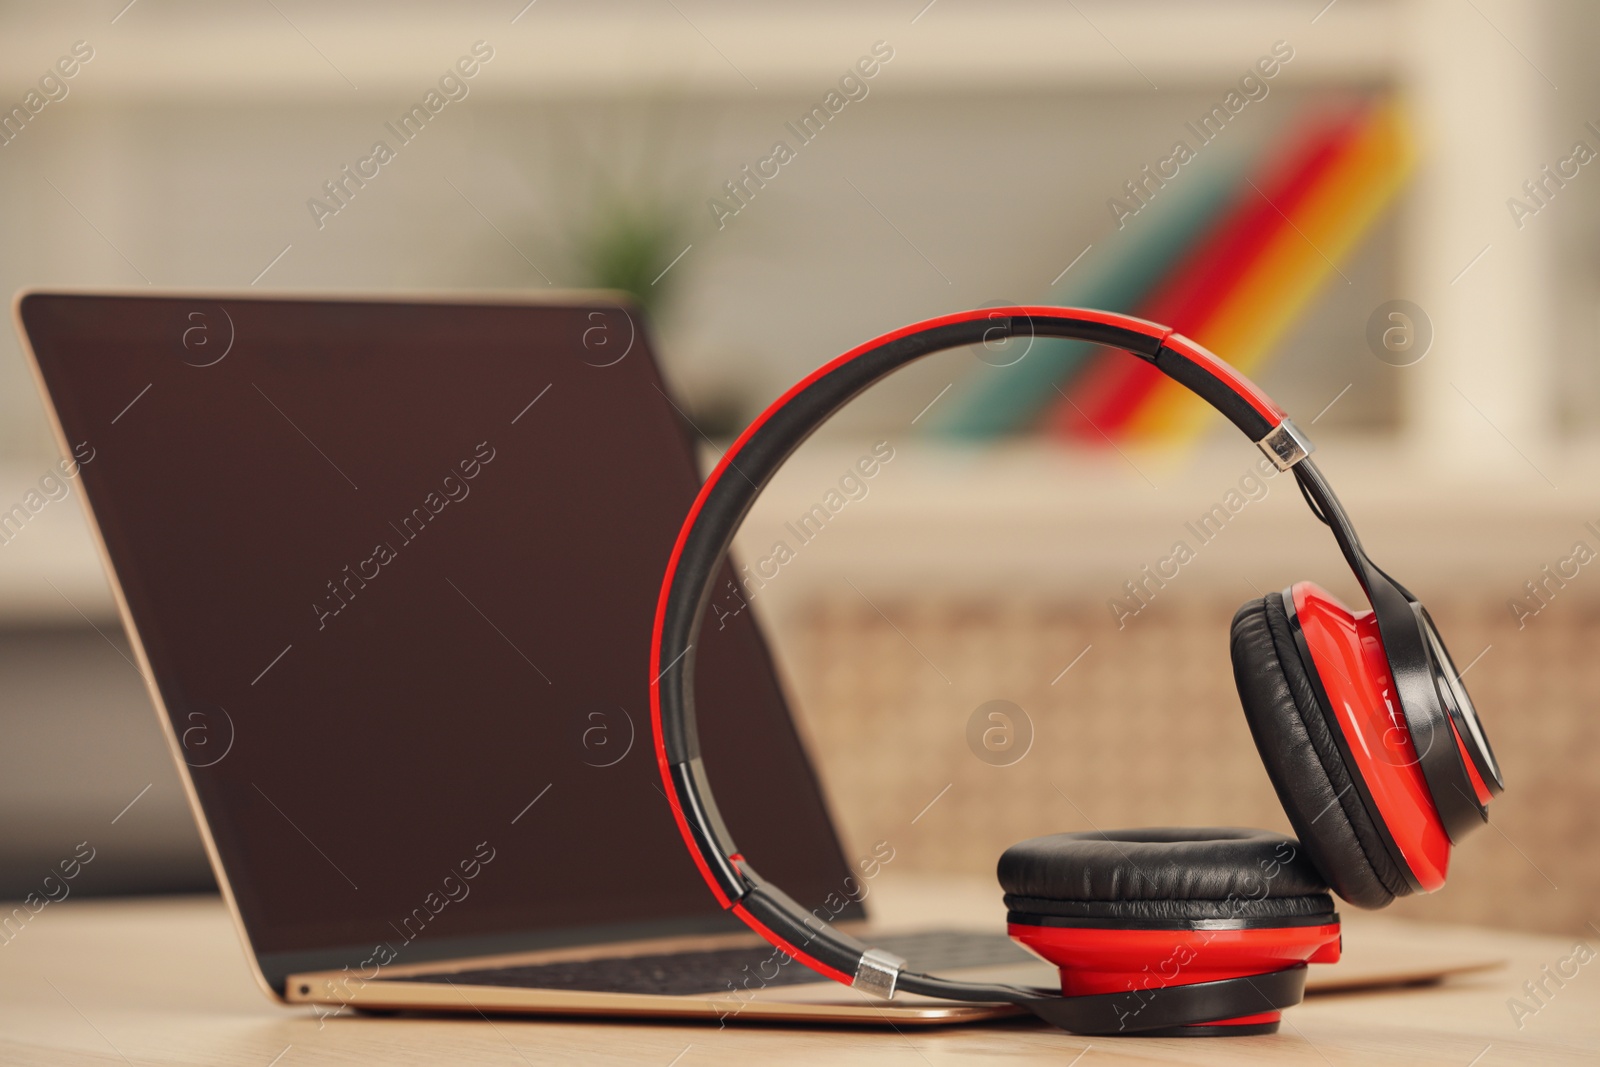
point(1385, 210)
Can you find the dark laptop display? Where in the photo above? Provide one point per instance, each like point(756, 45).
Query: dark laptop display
point(394, 566)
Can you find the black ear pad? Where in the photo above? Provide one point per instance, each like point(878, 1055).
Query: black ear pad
point(1304, 762)
point(1161, 875)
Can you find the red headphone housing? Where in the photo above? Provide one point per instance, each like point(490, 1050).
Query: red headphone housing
point(1133, 963)
point(1345, 650)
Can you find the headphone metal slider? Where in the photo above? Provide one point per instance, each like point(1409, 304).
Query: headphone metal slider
point(1285, 445)
point(877, 973)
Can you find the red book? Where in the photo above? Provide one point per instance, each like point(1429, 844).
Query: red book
point(1110, 392)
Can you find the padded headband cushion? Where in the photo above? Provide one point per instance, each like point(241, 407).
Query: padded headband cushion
point(1162, 874)
point(1303, 760)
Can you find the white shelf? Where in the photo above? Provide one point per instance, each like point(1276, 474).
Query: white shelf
point(206, 52)
point(1045, 519)
point(1036, 518)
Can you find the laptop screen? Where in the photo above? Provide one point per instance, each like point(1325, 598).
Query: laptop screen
point(394, 567)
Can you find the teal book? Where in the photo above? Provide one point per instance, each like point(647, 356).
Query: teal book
point(1116, 274)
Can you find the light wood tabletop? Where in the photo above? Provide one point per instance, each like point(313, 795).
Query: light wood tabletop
point(165, 981)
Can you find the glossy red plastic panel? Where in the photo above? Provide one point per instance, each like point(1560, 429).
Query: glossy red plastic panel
point(1478, 786)
point(1348, 654)
point(1096, 960)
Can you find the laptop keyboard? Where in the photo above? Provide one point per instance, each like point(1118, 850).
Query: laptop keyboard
point(716, 970)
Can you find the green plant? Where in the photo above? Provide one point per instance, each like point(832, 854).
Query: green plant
point(628, 245)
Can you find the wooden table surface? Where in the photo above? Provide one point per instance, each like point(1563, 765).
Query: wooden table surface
point(165, 981)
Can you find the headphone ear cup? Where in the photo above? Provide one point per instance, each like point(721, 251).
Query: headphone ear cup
point(1303, 760)
point(1162, 875)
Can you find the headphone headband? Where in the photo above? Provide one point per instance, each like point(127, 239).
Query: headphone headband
point(755, 457)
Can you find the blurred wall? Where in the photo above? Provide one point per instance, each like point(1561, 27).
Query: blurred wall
point(961, 178)
point(1146, 730)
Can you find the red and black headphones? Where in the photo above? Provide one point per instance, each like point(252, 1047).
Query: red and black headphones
point(1361, 718)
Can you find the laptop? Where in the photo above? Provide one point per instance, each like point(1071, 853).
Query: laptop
point(389, 567)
